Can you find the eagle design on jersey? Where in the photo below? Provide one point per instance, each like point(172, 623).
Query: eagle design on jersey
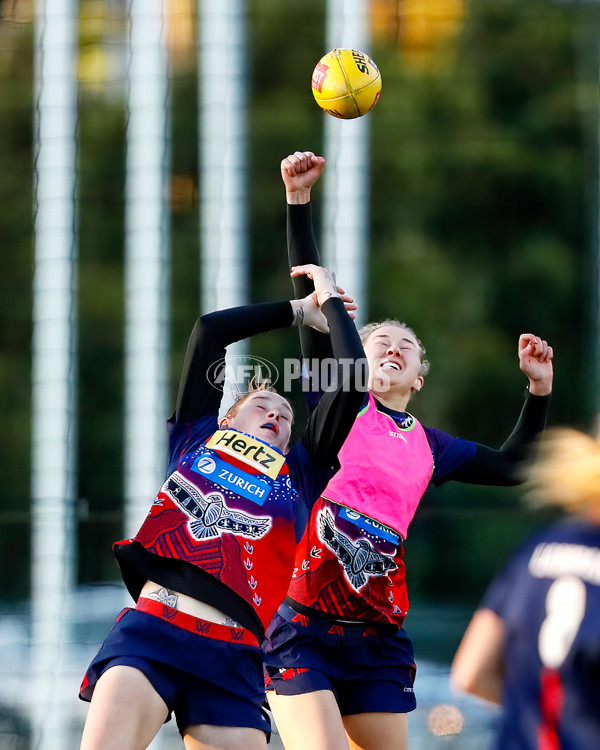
point(359, 559)
point(211, 514)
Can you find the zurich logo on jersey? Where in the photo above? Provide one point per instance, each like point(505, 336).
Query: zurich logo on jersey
point(206, 465)
point(249, 486)
point(370, 525)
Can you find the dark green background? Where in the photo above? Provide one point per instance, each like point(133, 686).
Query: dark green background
point(483, 204)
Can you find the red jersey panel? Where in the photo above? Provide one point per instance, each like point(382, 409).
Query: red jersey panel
point(232, 517)
point(350, 566)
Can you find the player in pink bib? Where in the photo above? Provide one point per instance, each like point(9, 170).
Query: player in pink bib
point(340, 667)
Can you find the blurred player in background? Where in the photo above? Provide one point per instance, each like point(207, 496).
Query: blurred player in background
point(213, 559)
point(340, 665)
point(534, 645)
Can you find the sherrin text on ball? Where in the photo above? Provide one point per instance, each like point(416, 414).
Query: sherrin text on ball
point(346, 83)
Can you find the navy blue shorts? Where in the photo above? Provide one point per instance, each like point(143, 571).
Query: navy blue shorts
point(369, 669)
point(205, 673)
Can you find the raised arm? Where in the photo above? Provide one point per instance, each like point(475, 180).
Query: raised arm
point(299, 172)
point(505, 466)
point(331, 420)
point(200, 387)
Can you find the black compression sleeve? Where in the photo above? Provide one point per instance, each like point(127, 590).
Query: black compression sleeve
point(531, 423)
point(331, 420)
point(205, 357)
point(505, 466)
point(302, 246)
point(302, 249)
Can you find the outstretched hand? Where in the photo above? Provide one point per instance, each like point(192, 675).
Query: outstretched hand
point(535, 361)
point(299, 172)
point(325, 287)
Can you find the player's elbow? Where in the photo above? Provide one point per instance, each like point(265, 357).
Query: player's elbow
point(208, 322)
point(463, 680)
point(478, 666)
point(476, 680)
point(208, 327)
point(490, 689)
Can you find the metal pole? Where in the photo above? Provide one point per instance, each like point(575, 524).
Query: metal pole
point(346, 193)
point(54, 419)
point(222, 153)
point(147, 271)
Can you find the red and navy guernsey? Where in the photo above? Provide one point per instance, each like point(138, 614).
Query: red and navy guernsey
point(225, 524)
point(548, 597)
point(350, 560)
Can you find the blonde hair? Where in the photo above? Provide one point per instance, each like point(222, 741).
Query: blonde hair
point(566, 472)
point(369, 328)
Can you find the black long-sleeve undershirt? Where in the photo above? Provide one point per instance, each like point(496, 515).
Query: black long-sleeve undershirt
point(502, 467)
point(302, 249)
point(329, 424)
point(205, 356)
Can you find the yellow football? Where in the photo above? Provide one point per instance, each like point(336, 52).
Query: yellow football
point(346, 83)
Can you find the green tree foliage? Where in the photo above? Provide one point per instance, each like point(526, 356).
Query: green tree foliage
point(481, 191)
point(16, 187)
point(101, 184)
point(487, 174)
point(479, 232)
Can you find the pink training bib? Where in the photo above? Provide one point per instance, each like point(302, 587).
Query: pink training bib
point(385, 469)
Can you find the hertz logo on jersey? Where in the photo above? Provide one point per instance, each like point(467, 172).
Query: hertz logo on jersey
point(259, 455)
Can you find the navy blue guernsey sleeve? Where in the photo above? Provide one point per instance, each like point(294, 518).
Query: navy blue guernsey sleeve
point(449, 453)
point(310, 478)
point(499, 591)
point(182, 435)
